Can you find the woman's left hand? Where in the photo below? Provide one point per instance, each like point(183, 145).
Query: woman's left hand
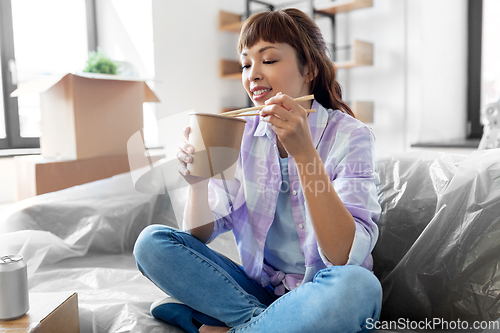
point(288, 119)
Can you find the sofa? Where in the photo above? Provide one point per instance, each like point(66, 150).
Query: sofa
point(438, 253)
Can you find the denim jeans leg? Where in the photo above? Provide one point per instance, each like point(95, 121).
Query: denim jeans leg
point(188, 270)
point(340, 299)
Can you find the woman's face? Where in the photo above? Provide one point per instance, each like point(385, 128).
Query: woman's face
point(270, 68)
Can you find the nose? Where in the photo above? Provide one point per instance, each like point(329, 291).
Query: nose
point(255, 73)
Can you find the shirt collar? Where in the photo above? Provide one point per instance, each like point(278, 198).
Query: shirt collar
point(317, 123)
point(265, 128)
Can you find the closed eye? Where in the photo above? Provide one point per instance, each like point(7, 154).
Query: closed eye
point(267, 62)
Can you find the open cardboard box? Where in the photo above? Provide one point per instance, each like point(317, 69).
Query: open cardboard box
point(88, 115)
point(49, 313)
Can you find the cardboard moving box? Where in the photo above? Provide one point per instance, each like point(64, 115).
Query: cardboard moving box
point(88, 115)
point(49, 313)
point(38, 175)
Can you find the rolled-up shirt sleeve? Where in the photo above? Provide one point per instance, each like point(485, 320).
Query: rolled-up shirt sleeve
point(220, 204)
point(355, 181)
point(222, 198)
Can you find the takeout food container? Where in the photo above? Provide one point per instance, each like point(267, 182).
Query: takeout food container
point(216, 140)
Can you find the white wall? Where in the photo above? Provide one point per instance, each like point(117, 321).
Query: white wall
point(417, 82)
point(186, 41)
point(186, 53)
point(383, 83)
point(188, 46)
point(437, 69)
point(7, 180)
point(125, 34)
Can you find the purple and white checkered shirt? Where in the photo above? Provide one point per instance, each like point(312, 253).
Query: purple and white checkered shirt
point(247, 204)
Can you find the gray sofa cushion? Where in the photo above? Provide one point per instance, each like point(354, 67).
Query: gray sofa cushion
point(439, 248)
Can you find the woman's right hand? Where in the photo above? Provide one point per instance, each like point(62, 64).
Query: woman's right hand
point(184, 155)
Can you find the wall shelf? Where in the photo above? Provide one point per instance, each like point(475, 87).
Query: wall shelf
point(363, 111)
point(362, 55)
point(342, 6)
point(230, 69)
point(230, 22)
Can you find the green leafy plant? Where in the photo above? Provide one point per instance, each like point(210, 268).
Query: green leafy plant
point(98, 62)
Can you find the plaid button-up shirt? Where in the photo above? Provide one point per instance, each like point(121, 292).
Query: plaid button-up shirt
point(247, 204)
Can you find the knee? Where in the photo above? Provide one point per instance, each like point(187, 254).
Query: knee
point(148, 242)
point(363, 282)
point(359, 286)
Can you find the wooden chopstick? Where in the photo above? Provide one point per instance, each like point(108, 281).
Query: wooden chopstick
point(255, 108)
point(258, 114)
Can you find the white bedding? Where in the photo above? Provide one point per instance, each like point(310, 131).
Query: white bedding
point(81, 239)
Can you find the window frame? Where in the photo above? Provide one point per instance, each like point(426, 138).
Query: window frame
point(12, 126)
point(474, 46)
point(13, 139)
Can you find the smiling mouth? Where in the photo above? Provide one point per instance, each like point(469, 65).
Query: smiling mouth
point(260, 93)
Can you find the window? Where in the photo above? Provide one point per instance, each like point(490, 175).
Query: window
point(2, 112)
point(475, 15)
point(37, 38)
point(484, 67)
point(490, 74)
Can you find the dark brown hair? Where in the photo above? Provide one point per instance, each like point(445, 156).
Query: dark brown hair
point(297, 29)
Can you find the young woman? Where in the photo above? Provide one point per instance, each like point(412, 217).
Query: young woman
point(303, 206)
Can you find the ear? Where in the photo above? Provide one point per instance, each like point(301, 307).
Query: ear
point(311, 74)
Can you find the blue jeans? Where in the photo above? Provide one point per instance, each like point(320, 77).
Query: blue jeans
point(339, 299)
